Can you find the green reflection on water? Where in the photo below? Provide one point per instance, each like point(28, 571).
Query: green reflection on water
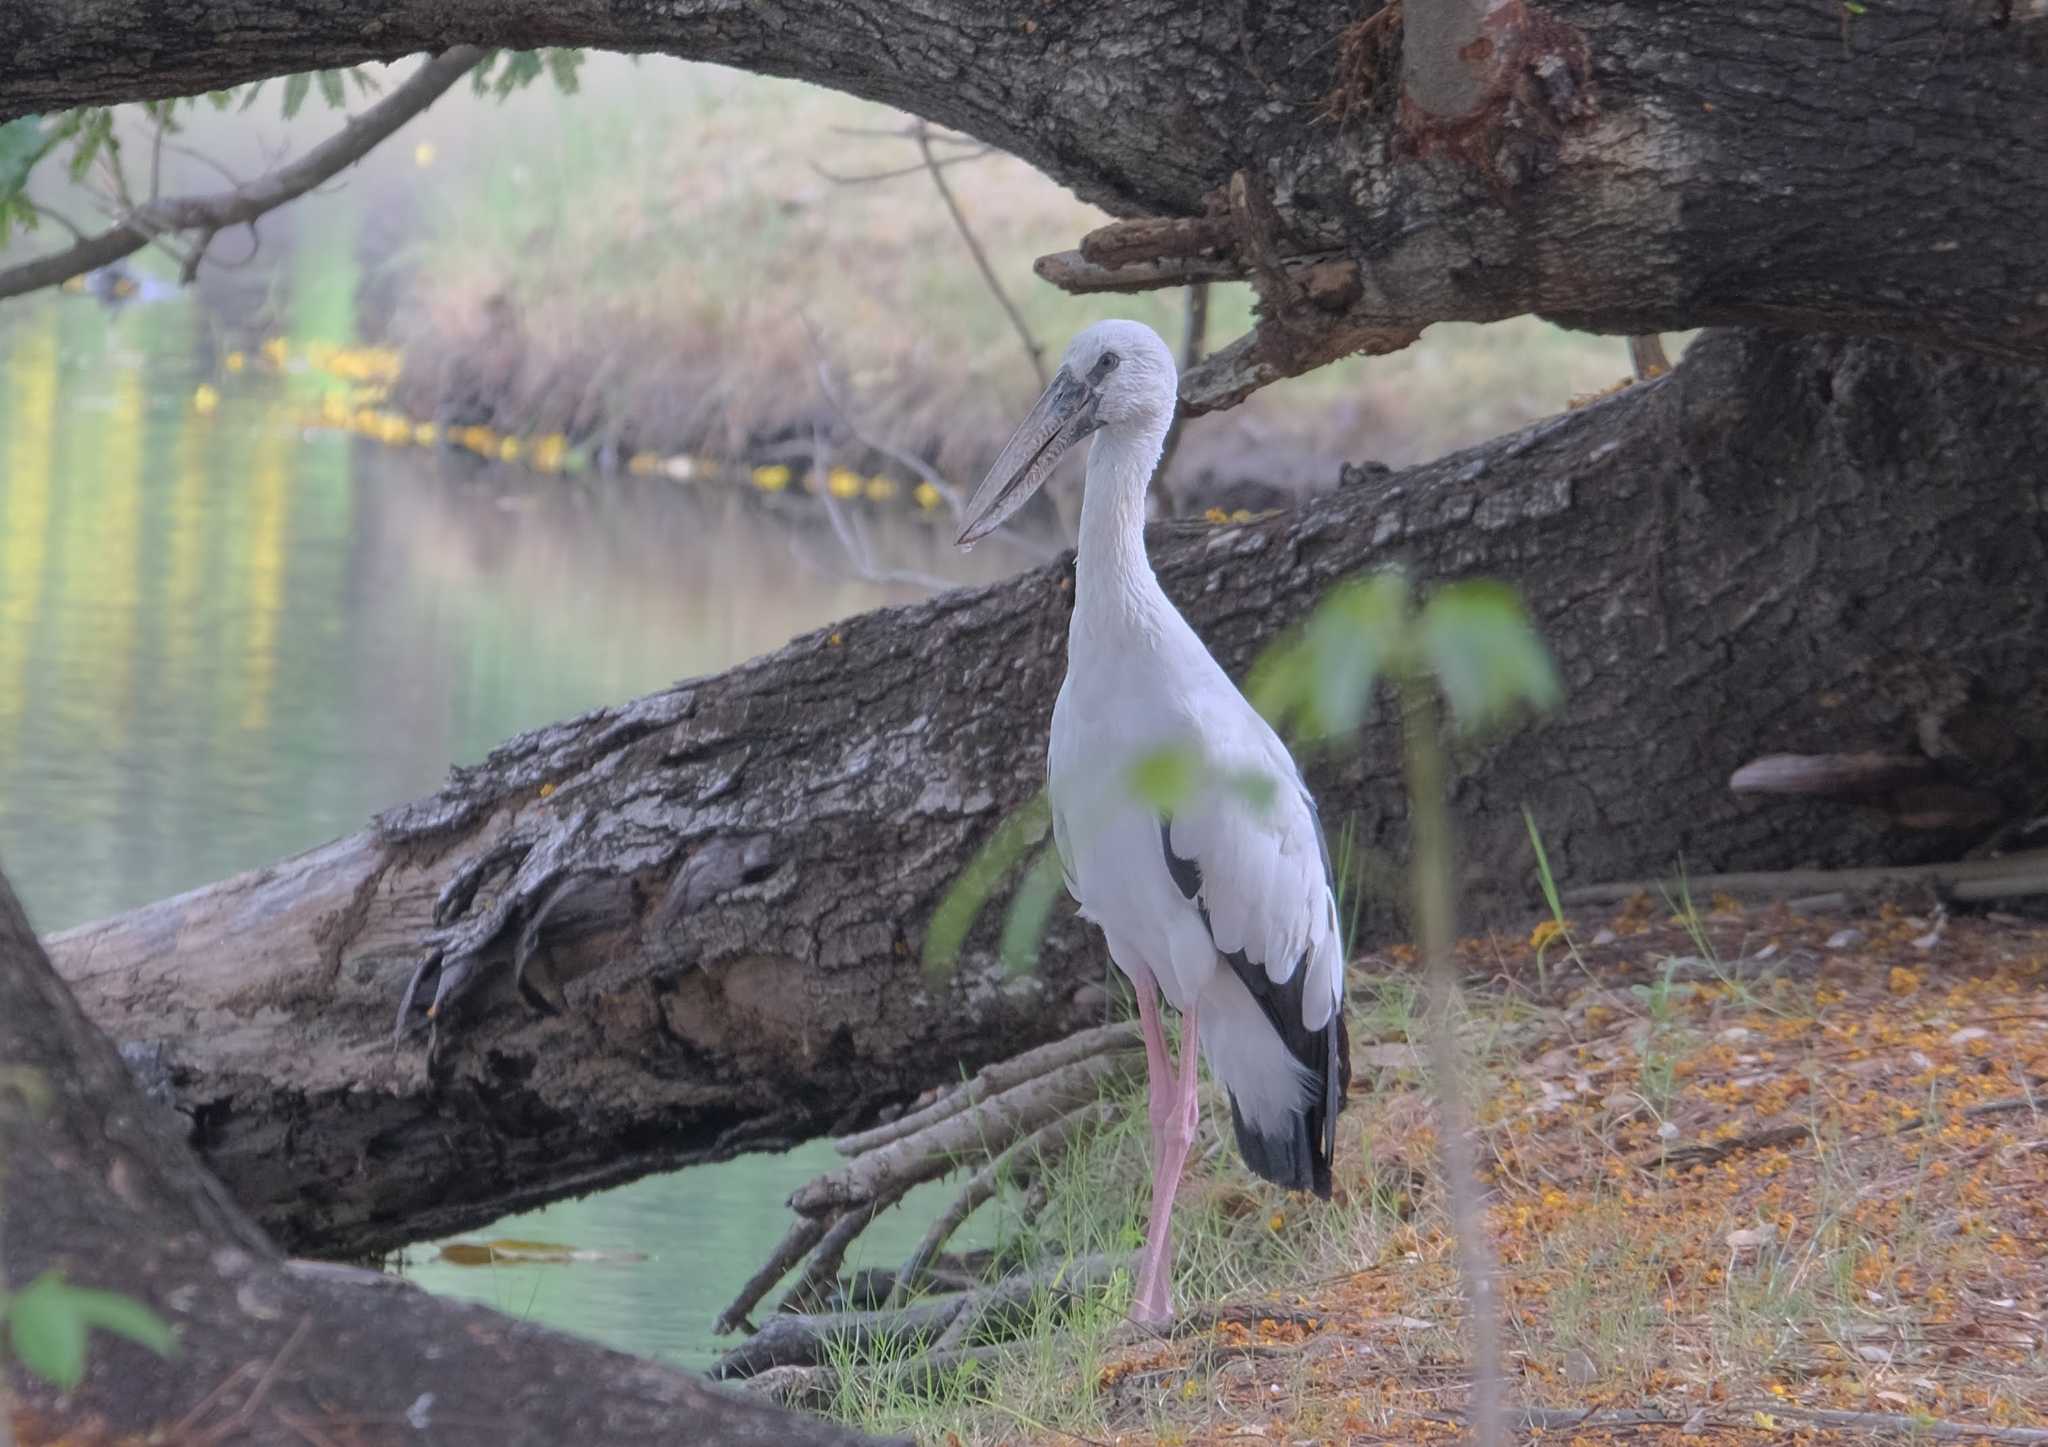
point(224, 639)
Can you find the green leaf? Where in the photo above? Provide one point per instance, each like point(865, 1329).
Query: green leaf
point(295, 89)
point(955, 916)
point(47, 1332)
point(126, 1317)
point(562, 66)
point(1255, 787)
point(366, 83)
point(1320, 682)
point(1355, 636)
point(249, 96)
point(1029, 907)
point(1166, 777)
point(1487, 657)
point(23, 143)
point(480, 76)
point(331, 89)
point(48, 1321)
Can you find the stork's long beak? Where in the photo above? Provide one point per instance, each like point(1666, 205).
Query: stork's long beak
point(1064, 415)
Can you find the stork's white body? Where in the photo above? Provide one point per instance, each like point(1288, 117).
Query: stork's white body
point(1139, 681)
point(1227, 909)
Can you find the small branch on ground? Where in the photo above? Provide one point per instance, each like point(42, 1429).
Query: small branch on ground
point(208, 215)
point(1013, 1117)
point(2012, 877)
point(993, 1080)
point(937, 1327)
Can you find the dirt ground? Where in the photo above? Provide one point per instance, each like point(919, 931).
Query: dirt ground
point(1754, 1176)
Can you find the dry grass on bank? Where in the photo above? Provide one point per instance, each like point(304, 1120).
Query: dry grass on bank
point(1750, 1169)
point(660, 261)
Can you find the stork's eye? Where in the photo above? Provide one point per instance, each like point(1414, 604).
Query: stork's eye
point(1104, 365)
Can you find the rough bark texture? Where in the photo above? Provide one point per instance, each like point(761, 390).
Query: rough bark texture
point(1785, 546)
point(1636, 167)
point(101, 1186)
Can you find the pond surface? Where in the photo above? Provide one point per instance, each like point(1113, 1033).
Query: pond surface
point(228, 634)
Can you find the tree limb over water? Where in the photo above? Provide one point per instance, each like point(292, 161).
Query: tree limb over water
point(205, 217)
point(1633, 169)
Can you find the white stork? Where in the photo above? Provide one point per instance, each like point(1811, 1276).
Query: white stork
point(1225, 907)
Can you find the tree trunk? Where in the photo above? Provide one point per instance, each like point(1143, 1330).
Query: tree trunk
point(1634, 168)
point(99, 1185)
point(1785, 546)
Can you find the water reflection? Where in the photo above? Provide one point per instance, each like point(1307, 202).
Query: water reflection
point(224, 639)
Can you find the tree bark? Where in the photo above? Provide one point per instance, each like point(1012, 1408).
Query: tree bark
point(100, 1186)
point(1808, 546)
point(1631, 168)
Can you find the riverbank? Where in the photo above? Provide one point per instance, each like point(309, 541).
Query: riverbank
point(683, 261)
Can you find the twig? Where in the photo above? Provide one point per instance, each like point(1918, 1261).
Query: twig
point(868, 178)
point(795, 1243)
point(932, 1152)
point(1032, 348)
point(1785, 1135)
point(806, 1339)
point(820, 1271)
point(2010, 877)
point(1019, 1163)
point(1194, 339)
point(993, 1080)
point(853, 540)
point(1008, 1305)
point(1918, 1428)
point(59, 217)
point(242, 1414)
point(244, 203)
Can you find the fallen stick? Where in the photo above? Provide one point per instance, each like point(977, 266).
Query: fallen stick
point(2012, 877)
point(1020, 1164)
point(993, 1080)
point(994, 1122)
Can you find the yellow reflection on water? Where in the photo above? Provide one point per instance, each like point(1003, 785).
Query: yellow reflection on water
point(25, 523)
point(184, 550)
point(270, 519)
point(113, 574)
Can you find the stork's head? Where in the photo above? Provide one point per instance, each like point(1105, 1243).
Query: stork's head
point(1114, 374)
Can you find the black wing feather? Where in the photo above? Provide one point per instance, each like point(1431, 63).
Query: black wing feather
point(1299, 1159)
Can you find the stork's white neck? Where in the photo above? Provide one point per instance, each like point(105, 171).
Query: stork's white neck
point(1112, 572)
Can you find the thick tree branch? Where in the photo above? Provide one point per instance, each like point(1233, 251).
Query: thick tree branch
point(211, 214)
point(1627, 168)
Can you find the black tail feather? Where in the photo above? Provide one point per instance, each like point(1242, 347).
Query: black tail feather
point(1297, 1156)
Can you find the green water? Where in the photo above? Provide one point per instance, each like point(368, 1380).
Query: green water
point(226, 637)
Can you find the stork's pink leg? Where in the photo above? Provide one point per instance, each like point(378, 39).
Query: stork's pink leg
point(1175, 1137)
point(1159, 1074)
